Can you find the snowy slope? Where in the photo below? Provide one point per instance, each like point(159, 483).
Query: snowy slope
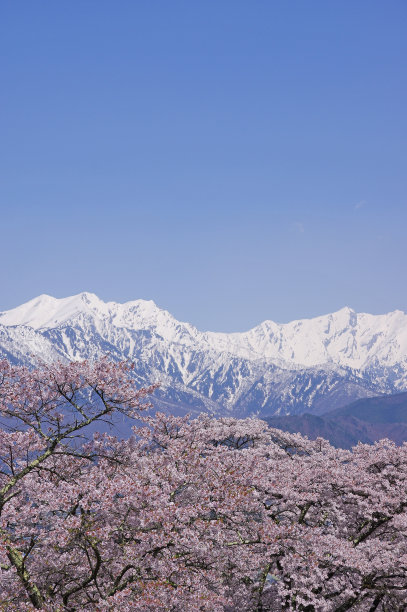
point(312, 364)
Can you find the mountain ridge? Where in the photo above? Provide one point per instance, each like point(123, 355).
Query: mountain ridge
point(312, 365)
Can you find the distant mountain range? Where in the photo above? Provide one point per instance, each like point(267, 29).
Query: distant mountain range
point(311, 365)
point(366, 420)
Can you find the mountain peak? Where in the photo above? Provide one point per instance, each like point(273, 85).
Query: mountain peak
point(48, 311)
point(346, 310)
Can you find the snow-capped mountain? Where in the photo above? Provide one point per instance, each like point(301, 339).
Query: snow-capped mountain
point(312, 365)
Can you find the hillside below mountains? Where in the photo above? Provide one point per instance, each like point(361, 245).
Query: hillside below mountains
point(311, 365)
point(366, 420)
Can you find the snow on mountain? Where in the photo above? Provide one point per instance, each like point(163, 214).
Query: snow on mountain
point(312, 364)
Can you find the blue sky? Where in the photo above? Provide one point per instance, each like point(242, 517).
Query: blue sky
point(233, 161)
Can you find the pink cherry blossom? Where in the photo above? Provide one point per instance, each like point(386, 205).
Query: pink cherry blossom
point(188, 514)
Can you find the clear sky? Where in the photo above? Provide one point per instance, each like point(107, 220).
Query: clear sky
point(232, 160)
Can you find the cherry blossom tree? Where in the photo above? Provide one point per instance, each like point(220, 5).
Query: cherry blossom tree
point(188, 514)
